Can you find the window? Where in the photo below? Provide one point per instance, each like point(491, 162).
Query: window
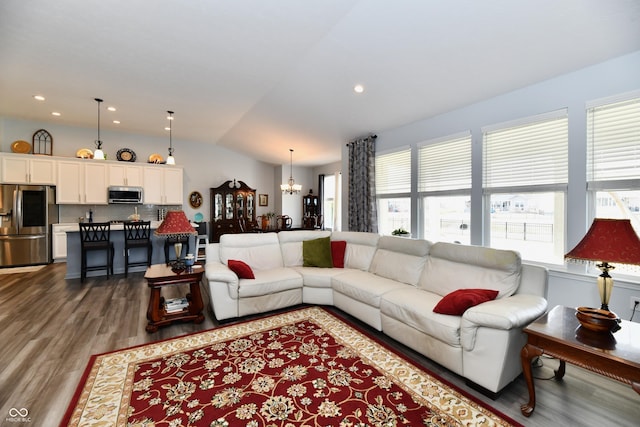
point(613, 161)
point(444, 186)
point(393, 190)
point(332, 185)
point(525, 168)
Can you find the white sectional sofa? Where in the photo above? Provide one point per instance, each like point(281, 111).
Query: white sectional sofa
point(393, 285)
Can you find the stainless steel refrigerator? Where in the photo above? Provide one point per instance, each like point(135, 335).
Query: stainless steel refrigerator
point(26, 215)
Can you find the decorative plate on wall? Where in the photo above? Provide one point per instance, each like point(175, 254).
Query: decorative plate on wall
point(126, 155)
point(195, 199)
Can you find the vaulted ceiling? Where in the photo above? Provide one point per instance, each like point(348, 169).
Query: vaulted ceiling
point(263, 76)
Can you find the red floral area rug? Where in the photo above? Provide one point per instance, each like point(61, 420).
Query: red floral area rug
point(306, 367)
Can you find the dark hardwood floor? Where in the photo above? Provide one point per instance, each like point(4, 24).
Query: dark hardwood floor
point(50, 326)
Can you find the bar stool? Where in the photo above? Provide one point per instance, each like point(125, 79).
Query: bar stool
point(137, 234)
point(95, 236)
point(202, 239)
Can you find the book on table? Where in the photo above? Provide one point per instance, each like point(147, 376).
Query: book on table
point(175, 305)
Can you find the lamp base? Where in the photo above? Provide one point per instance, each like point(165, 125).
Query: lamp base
point(177, 266)
point(598, 320)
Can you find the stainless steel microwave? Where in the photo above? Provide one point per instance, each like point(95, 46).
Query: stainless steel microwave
point(126, 195)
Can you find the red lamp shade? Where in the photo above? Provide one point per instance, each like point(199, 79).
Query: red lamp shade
point(608, 240)
point(175, 224)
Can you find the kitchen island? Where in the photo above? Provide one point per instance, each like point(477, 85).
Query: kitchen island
point(74, 254)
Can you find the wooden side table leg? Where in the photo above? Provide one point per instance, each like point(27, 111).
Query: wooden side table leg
point(526, 355)
point(153, 310)
point(195, 305)
point(559, 373)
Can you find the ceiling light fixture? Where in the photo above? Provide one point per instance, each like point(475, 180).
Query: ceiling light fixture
point(55, 113)
point(170, 160)
point(111, 108)
point(38, 97)
point(291, 186)
point(98, 154)
point(358, 88)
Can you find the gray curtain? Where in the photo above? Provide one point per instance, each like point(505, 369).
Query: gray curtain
point(363, 214)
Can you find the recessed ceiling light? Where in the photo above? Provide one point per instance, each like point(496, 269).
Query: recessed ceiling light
point(55, 113)
point(111, 108)
point(358, 88)
point(116, 122)
point(167, 128)
point(38, 97)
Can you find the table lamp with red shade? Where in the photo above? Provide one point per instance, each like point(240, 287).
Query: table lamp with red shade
point(608, 240)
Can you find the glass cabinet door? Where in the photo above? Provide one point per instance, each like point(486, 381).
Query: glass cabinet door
point(250, 197)
point(229, 206)
point(217, 210)
point(240, 205)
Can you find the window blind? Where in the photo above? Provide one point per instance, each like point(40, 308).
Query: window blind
point(613, 141)
point(527, 155)
point(445, 165)
point(393, 172)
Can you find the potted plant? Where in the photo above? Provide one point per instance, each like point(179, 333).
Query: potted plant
point(400, 232)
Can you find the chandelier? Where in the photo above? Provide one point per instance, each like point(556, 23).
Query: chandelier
point(291, 187)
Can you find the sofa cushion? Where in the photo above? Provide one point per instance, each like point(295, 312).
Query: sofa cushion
point(452, 266)
point(457, 302)
point(414, 307)
point(270, 282)
point(259, 250)
point(242, 270)
point(400, 259)
point(317, 253)
point(315, 277)
point(338, 247)
point(291, 244)
point(364, 286)
point(361, 247)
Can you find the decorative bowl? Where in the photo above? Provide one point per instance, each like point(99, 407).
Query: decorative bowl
point(598, 320)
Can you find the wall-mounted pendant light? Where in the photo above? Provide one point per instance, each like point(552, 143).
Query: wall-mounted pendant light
point(291, 187)
point(98, 154)
point(170, 160)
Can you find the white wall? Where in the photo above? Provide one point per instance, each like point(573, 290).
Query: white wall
point(205, 165)
point(570, 91)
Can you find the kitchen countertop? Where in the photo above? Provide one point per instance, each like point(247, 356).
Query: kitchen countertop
point(73, 226)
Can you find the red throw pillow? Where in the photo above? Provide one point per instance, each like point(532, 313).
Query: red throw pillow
point(457, 302)
point(241, 269)
point(338, 248)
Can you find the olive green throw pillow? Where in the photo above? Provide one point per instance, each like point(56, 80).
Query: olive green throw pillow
point(317, 253)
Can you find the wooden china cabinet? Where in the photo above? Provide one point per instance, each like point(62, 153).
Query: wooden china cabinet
point(310, 210)
point(232, 205)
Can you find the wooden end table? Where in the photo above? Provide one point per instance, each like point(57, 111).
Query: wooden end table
point(159, 275)
point(559, 334)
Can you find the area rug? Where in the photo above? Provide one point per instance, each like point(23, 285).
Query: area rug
point(306, 367)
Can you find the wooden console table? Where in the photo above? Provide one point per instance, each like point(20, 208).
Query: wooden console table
point(559, 334)
point(159, 275)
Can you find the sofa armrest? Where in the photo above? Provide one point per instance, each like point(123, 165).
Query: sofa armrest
point(218, 273)
point(514, 312)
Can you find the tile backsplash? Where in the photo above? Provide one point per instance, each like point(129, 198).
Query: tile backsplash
point(73, 213)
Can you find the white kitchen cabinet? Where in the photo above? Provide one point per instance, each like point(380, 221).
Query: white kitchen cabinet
point(82, 182)
point(59, 240)
point(124, 174)
point(27, 169)
point(163, 185)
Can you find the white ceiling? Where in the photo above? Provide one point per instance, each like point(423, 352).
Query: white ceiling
point(261, 76)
